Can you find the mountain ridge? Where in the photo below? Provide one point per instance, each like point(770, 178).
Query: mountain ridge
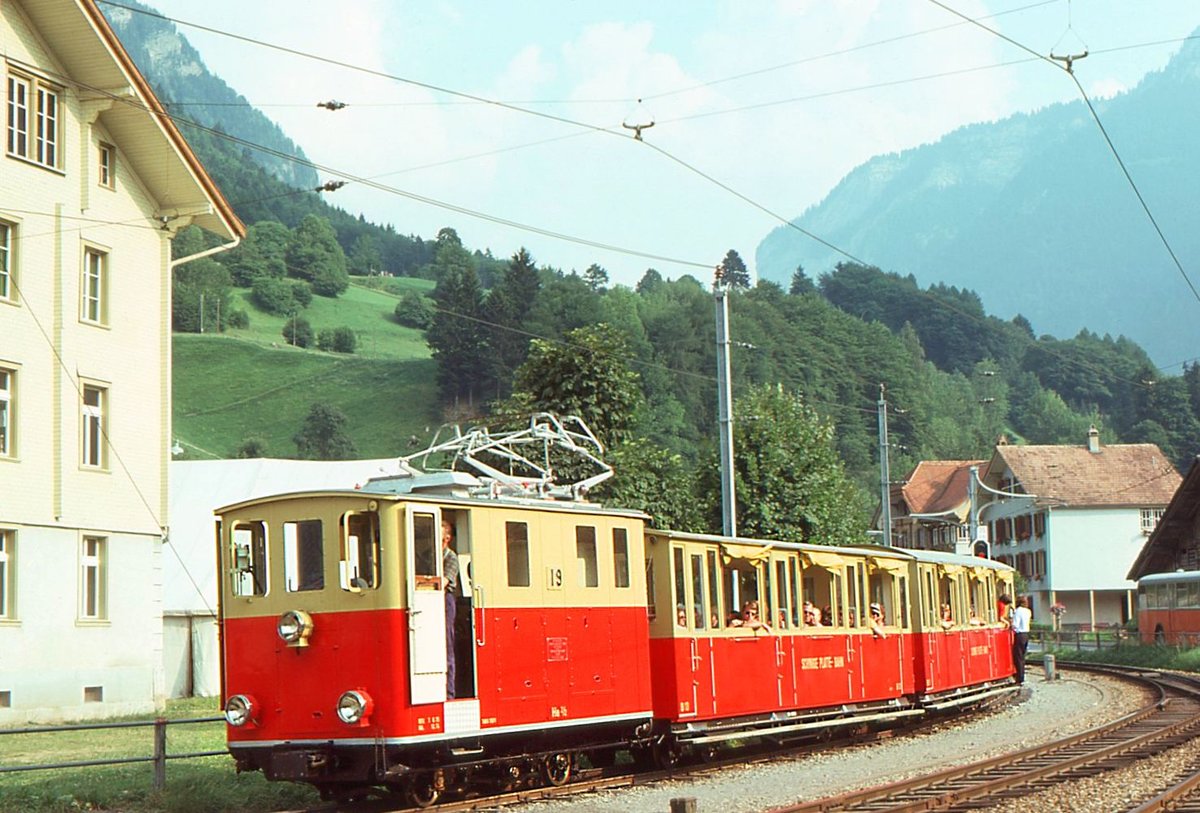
point(1034, 214)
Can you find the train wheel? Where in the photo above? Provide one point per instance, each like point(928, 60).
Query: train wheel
point(666, 753)
point(708, 753)
point(425, 788)
point(557, 769)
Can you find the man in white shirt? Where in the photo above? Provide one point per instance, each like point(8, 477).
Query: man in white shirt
point(1021, 616)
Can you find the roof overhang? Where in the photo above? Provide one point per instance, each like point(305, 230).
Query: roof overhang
point(114, 90)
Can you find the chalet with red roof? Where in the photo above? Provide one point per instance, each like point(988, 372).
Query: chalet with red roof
point(1072, 520)
point(931, 508)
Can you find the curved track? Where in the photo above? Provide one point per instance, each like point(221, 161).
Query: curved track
point(531, 785)
point(1172, 719)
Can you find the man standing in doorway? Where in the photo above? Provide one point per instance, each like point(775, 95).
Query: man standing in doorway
point(1021, 617)
point(450, 583)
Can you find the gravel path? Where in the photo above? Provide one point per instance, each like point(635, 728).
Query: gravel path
point(1048, 711)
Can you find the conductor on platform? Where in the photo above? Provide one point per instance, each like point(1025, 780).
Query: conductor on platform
point(450, 585)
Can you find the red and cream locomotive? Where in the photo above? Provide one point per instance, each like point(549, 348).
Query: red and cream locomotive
point(579, 629)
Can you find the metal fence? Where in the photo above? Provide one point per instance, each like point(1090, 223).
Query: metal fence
point(159, 758)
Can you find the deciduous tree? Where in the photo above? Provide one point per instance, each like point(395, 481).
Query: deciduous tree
point(323, 436)
point(789, 480)
point(313, 254)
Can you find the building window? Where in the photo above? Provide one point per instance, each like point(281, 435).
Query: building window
point(94, 305)
point(33, 121)
point(7, 413)
point(95, 428)
point(18, 116)
point(8, 288)
point(1150, 518)
point(8, 541)
point(47, 128)
point(108, 166)
point(93, 575)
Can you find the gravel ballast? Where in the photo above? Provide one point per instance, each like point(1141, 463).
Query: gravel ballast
point(1046, 711)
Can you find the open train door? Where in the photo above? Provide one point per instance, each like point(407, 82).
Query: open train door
point(426, 605)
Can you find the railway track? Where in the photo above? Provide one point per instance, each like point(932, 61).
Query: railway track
point(1172, 719)
point(591, 779)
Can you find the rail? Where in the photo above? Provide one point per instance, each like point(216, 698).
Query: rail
point(1170, 720)
point(159, 758)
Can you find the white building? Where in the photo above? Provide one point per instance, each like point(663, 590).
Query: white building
point(94, 182)
point(1079, 519)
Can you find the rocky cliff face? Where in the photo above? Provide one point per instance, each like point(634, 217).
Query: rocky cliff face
point(178, 74)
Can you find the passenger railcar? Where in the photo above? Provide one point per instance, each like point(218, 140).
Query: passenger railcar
point(837, 635)
point(579, 631)
point(1169, 608)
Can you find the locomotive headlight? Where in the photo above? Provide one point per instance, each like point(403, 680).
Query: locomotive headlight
point(239, 710)
point(294, 627)
point(354, 707)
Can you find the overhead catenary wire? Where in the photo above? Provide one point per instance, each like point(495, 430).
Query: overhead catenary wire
point(367, 181)
point(1067, 68)
point(595, 128)
point(503, 221)
point(217, 132)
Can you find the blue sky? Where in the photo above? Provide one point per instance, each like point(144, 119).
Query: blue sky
point(780, 137)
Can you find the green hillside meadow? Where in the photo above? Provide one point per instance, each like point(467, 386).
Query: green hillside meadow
point(250, 383)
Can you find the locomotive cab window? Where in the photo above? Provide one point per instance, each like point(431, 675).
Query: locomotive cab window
point(303, 556)
point(426, 551)
point(516, 539)
point(248, 570)
point(585, 554)
point(620, 557)
point(651, 607)
point(358, 568)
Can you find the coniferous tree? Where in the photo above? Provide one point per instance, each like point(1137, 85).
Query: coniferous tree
point(732, 271)
point(596, 278)
point(506, 310)
point(365, 258)
point(801, 284)
point(457, 335)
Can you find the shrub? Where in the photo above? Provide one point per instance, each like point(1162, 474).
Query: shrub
point(302, 293)
point(238, 319)
point(337, 340)
point(297, 331)
point(273, 295)
point(414, 310)
point(251, 447)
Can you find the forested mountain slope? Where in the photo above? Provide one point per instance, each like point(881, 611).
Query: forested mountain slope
point(1034, 214)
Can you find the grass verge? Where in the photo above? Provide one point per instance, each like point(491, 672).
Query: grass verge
point(204, 785)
